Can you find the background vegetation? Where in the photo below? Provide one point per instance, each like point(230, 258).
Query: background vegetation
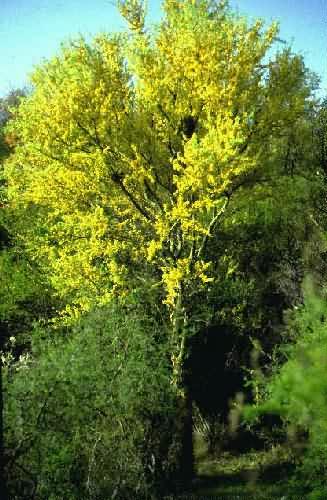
point(162, 253)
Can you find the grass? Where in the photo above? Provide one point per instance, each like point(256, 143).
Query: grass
point(253, 475)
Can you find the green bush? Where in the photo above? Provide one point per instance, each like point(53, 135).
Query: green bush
point(298, 393)
point(83, 407)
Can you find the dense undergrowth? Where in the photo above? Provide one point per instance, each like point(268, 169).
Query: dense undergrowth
point(297, 392)
point(162, 211)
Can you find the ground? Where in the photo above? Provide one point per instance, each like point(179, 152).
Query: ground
point(255, 475)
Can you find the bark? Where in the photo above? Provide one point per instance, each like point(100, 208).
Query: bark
point(181, 457)
point(186, 469)
point(182, 439)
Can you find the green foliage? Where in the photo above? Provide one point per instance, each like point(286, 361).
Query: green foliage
point(321, 135)
point(82, 408)
point(23, 293)
point(133, 148)
point(160, 160)
point(8, 106)
point(298, 392)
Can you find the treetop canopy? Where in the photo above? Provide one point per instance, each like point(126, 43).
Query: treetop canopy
point(130, 148)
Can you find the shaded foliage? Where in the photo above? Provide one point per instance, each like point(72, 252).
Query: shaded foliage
point(83, 407)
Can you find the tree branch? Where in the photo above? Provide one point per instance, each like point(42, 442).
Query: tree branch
point(211, 226)
point(153, 194)
point(119, 181)
point(95, 140)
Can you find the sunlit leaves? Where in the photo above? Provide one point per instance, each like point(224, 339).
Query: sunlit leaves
point(132, 147)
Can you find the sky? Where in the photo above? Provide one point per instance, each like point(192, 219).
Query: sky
point(31, 30)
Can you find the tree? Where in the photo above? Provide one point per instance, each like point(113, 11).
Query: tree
point(132, 149)
point(23, 298)
point(7, 106)
point(5, 148)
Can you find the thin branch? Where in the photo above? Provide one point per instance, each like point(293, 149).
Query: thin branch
point(28, 441)
point(172, 150)
point(96, 134)
point(153, 194)
point(118, 180)
point(159, 181)
point(192, 251)
point(150, 163)
point(163, 112)
point(211, 226)
point(95, 140)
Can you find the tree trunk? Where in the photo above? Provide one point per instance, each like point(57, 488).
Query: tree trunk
point(186, 461)
point(181, 453)
point(182, 438)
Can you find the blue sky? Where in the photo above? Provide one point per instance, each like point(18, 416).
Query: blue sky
point(31, 30)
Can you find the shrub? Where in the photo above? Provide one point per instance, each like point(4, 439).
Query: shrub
point(82, 410)
point(297, 392)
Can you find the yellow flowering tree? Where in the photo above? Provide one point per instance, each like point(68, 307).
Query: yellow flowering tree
point(130, 150)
